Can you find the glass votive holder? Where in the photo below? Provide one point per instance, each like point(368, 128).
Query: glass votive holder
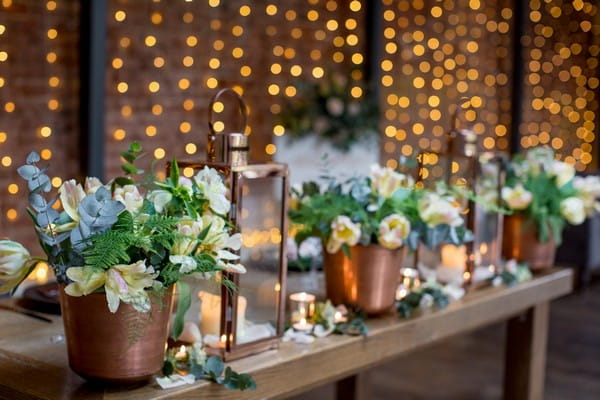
point(302, 305)
point(409, 280)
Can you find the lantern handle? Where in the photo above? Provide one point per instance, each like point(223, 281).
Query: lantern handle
point(212, 134)
point(457, 107)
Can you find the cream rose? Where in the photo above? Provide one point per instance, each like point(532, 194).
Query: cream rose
point(573, 209)
point(393, 229)
point(435, 209)
point(517, 198)
point(386, 181)
point(343, 231)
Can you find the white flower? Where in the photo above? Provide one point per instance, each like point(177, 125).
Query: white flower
point(125, 283)
point(537, 159)
point(187, 264)
point(217, 234)
point(310, 248)
point(291, 249)
point(386, 181)
point(335, 106)
point(14, 260)
point(186, 183)
point(197, 353)
point(160, 198)
point(588, 189)
point(435, 209)
point(573, 209)
point(562, 171)
point(92, 184)
point(130, 197)
point(211, 184)
point(343, 231)
point(71, 194)
point(517, 198)
point(191, 229)
point(393, 229)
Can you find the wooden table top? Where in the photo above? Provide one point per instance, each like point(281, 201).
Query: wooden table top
point(32, 367)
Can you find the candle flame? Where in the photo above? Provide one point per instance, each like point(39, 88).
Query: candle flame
point(223, 338)
point(302, 321)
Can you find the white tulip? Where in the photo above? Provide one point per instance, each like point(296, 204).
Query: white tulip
point(393, 229)
point(517, 198)
point(71, 194)
point(588, 189)
point(211, 184)
point(343, 231)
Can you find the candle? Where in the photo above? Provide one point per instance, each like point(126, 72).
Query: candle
point(454, 263)
point(303, 326)
point(181, 353)
point(410, 280)
point(210, 314)
point(339, 318)
point(302, 305)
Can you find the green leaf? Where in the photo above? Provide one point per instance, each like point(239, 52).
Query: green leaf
point(122, 181)
point(183, 304)
point(135, 147)
point(130, 157)
point(174, 176)
point(346, 250)
point(214, 367)
point(129, 168)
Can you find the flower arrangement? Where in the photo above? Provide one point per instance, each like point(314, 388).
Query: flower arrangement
point(548, 194)
point(127, 239)
point(385, 208)
point(329, 110)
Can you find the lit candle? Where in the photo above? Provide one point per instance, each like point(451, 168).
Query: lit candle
point(454, 263)
point(410, 281)
point(210, 314)
point(303, 326)
point(338, 317)
point(181, 353)
point(302, 305)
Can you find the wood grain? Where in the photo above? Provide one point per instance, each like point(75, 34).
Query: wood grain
point(526, 342)
point(279, 373)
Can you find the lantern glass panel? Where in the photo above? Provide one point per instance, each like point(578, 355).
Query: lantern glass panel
point(261, 225)
point(488, 222)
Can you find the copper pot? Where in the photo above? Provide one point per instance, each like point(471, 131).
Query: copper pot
point(367, 279)
point(124, 347)
point(520, 241)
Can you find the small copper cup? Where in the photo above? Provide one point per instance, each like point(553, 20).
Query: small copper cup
point(520, 242)
point(120, 348)
point(367, 279)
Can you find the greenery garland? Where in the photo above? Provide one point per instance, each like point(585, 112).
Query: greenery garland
point(333, 110)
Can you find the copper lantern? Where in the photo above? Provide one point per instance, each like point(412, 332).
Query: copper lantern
point(236, 323)
point(483, 175)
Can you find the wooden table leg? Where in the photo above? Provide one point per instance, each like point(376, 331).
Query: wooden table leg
point(355, 387)
point(525, 362)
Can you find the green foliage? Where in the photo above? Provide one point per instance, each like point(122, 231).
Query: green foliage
point(412, 301)
point(327, 109)
point(137, 324)
point(544, 210)
point(130, 156)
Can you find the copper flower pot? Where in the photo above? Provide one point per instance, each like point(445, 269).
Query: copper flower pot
point(520, 241)
point(367, 279)
point(121, 348)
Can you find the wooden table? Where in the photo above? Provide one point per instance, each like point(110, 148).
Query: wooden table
point(31, 367)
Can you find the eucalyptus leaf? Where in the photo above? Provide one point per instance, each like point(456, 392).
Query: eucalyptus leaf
point(33, 158)
point(27, 172)
point(214, 367)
